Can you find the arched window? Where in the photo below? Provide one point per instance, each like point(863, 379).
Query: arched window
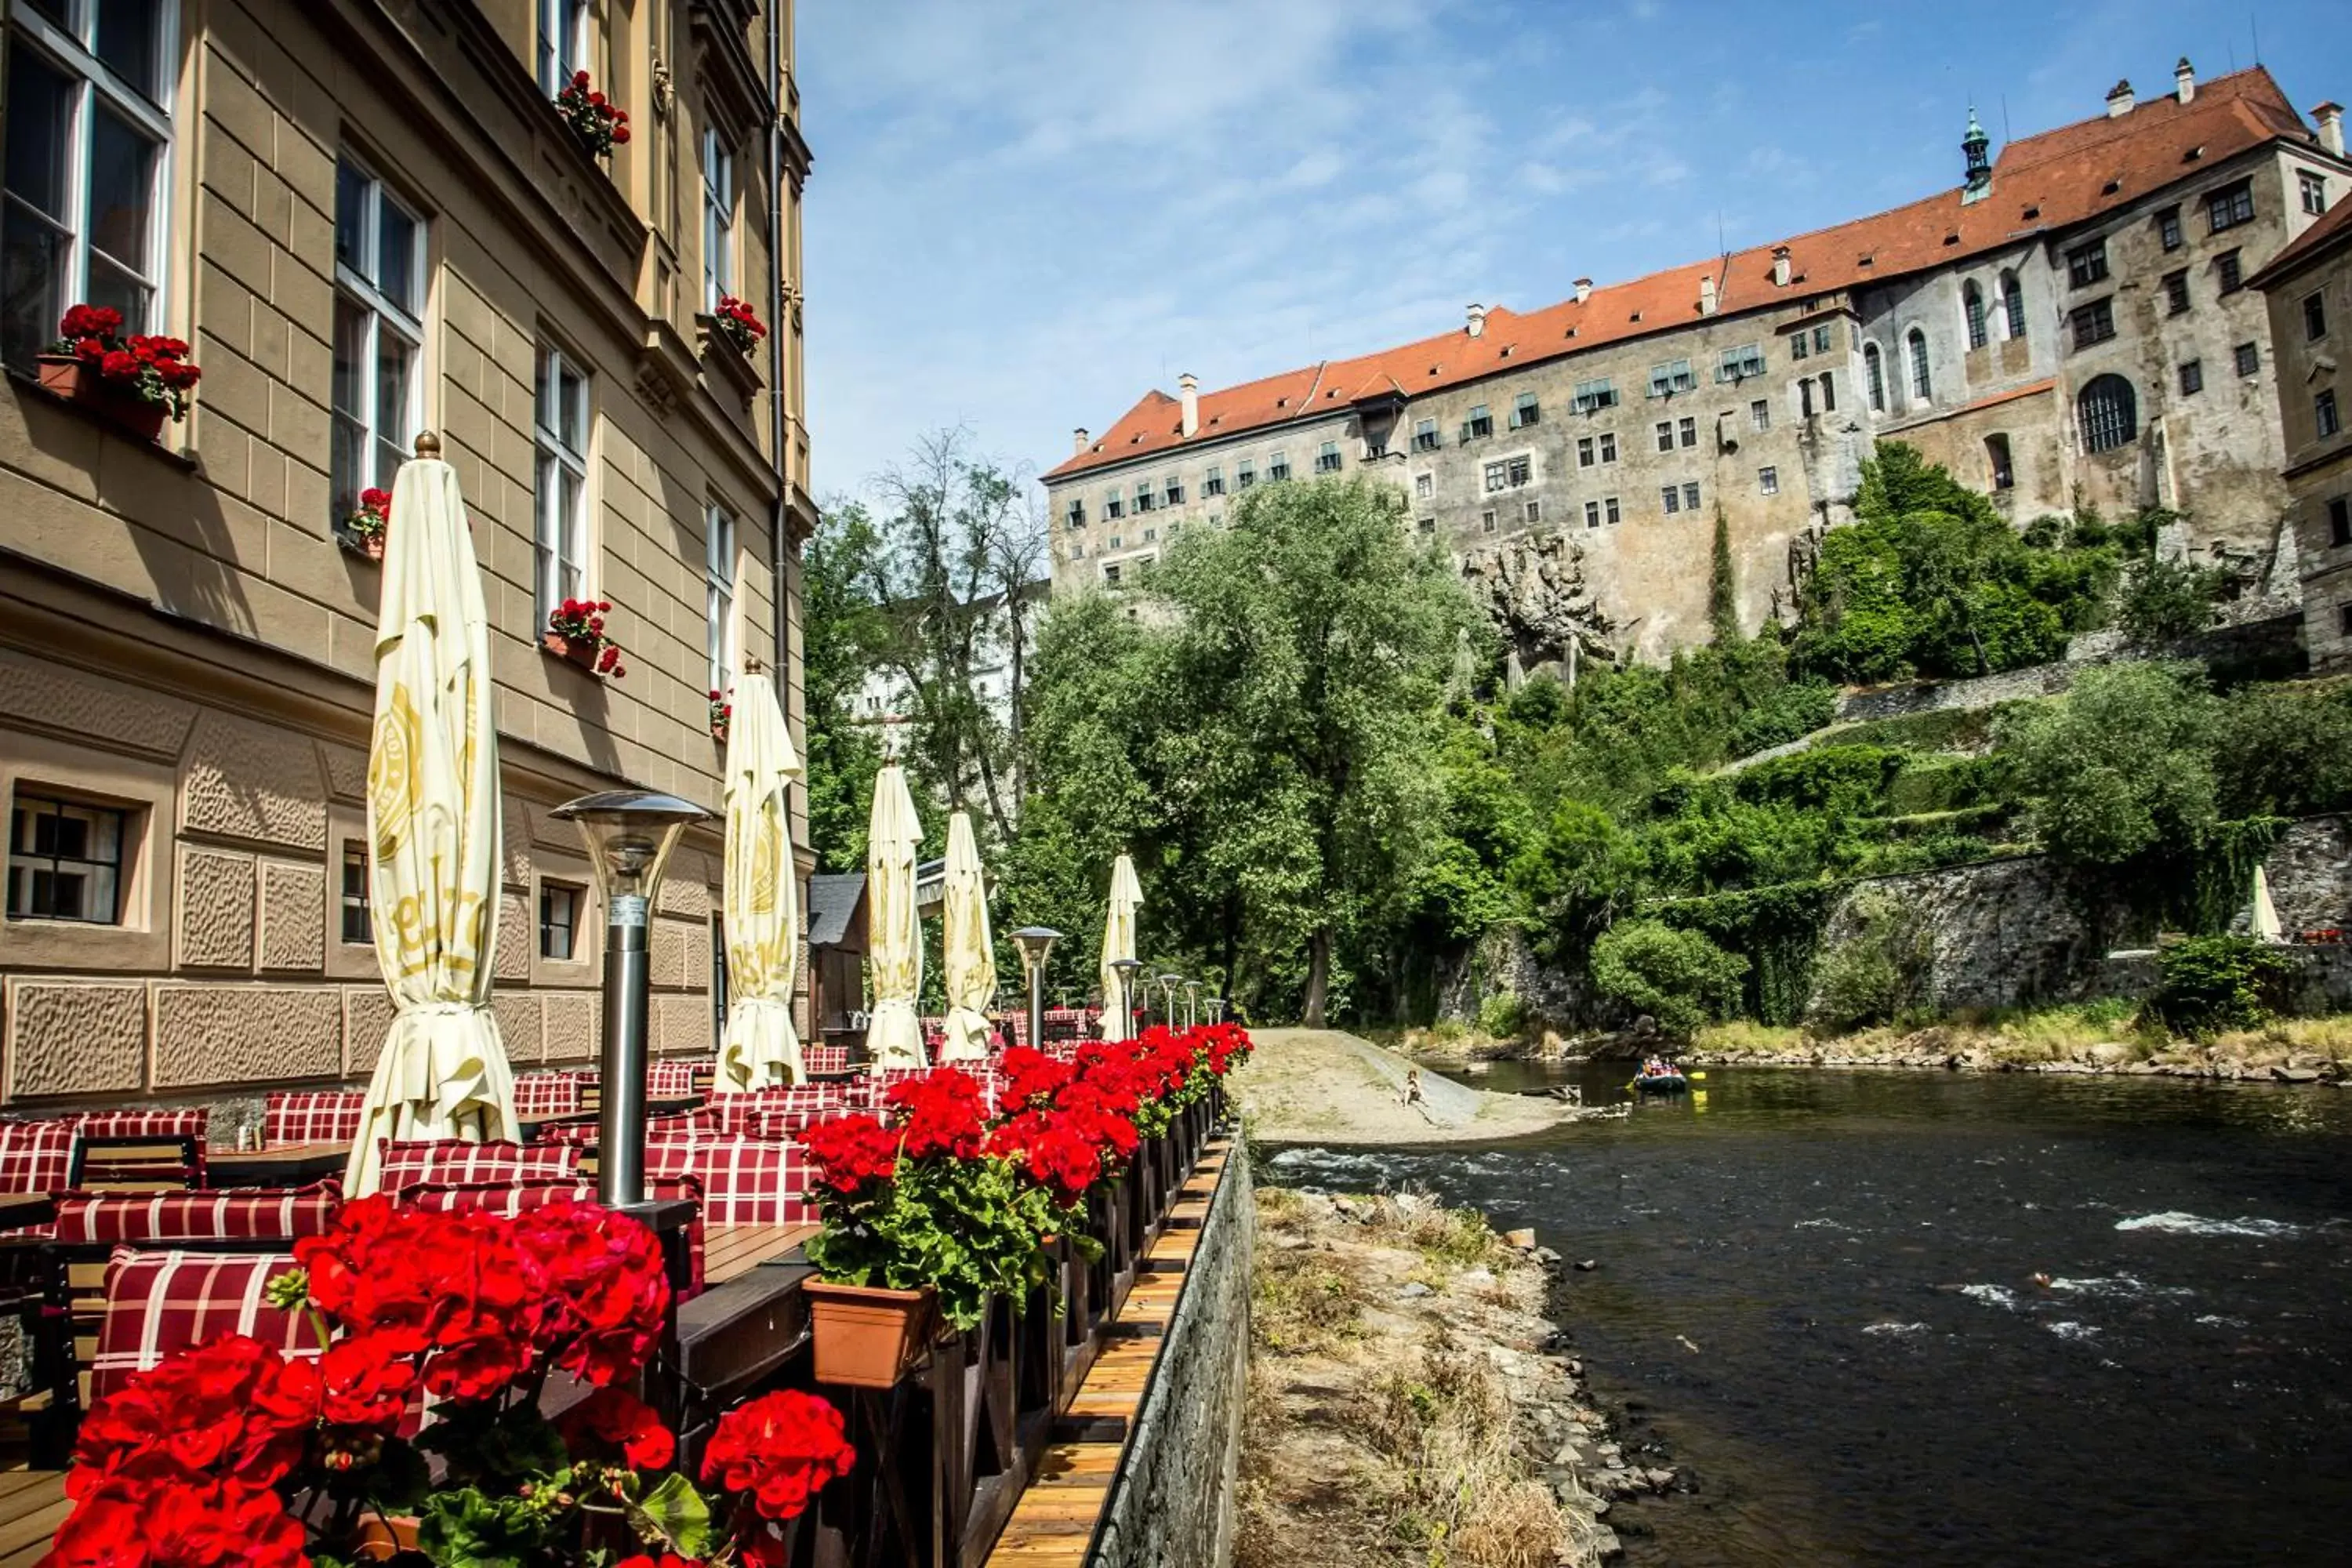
point(1972, 307)
point(1921, 390)
point(1875, 374)
point(2108, 411)
point(2012, 303)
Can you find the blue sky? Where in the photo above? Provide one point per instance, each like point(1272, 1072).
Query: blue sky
point(1024, 212)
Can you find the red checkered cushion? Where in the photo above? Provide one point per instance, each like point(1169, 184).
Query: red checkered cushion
point(824, 1058)
point(247, 1213)
point(744, 1181)
point(546, 1094)
point(187, 1122)
point(310, 1116)
point(159, 1302)
point(37, 1156)
point(513, 1198)
point(782, 1126)
point(672, 1080)
point(582, 1134)
point(456, 1160)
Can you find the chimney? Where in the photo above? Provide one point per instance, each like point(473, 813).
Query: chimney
point(1079, 443)
point(1476, 324)
point(1706, 295)
point(1187, 388)
point(1583, 289)
point(1779, 266)
point(2119, 100)
point(2329, 118)
point(2184, 82)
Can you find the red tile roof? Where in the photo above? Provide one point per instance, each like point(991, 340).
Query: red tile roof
point(2042, 182)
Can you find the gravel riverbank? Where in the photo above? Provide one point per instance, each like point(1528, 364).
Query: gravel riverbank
point(1304, 1086)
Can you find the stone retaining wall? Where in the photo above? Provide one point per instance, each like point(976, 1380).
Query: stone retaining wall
point(1173, 1505)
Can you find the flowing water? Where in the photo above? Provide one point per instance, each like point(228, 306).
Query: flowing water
point(1929, 1319)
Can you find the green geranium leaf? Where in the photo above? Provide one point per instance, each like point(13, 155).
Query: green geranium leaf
point(679, 1513)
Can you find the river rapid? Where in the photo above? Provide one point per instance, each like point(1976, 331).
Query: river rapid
point(1931, 1319)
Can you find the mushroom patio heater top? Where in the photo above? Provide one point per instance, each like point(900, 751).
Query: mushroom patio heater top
point(1191, 1003)
point(1127, 969)
point(1034, 942)
point(1168, 984)
point(630, 835)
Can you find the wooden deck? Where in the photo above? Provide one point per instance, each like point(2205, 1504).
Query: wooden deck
point(1054, 1524)
point(729, 1250)
point(31, 1505)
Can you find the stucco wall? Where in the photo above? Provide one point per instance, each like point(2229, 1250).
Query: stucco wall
point(1173, 1506)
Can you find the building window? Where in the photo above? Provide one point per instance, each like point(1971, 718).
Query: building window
point(1076, 515)
point(1671, 498)
point(719, 595)
point(1144, 501)
point(1278, 467)
point(65, 860)
point(1077, 552)
point(1425, 486)
point(1874, 375)
point(1666, 434)
point(1245, 475)
point(1609, 508)
point(2168, 228)
point(1805, 396)
point(717, 219)
point(2176, 292)
point(562, 42)
point(1327, 457)
point(2323, 416)
point(2231, 271)
point(1149, 534)
point(379, 338)
point(1212, 483)
point(1426, 525)
point(1424, 434)
point(1690, 496)
point(2012, 303)
point(2004, 475)
point(1738, 363)
point(1824, 339)
point(1110, 574)
point(2312, 189)
point(1486, 521)
point(88, 123)
point(1116, 542)
point(1585, 452)
point(2109, 412)
point(1479, 424)
point(1494, 478)
point(2093, 324)
point(1759, 414)
point(1526, 410)
point(1921, 388)
point(1972, 310)
point(2249, 358)
point(560, 431)
point(1687, 429)
point(2315, 317)
point(1673, 376)
point(2339, 521)
point(1608, 446)
point(358, 929)
point(1767, 480)
point(2086, 264)
point(1591, 395)
point(1592, 514)
point(1172, 492)
point(2192, 377)
point(1522, 471)
point(1114, 506)
point(1829, 392)
point(1800, 346)
point(2230, 205)
point(2344, 618)
point(1535, 511)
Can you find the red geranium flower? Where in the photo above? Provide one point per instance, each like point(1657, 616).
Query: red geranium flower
point(614, 1421)
point(780, 1451)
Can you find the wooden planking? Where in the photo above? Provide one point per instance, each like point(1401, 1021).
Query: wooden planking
point(729, 1250)
point(30, 1513)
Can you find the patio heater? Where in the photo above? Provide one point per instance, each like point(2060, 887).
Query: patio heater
point(1192, 1004)
point(1034, 942)
point(1168, 984)
point(630, 835)
point(1127, 968)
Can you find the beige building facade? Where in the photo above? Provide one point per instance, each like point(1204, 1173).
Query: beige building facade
point(369, 220)
point(2070, 325)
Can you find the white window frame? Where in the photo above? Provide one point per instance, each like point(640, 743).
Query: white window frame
point(719, 573)
point(1767, 479)
point(562, 42)
point(717, 219)
point(94, 79)
point(374, 426)
point(560, 544)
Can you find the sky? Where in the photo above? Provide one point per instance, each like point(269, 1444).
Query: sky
point(1025, 214)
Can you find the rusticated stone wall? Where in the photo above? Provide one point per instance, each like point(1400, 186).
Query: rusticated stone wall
point(1174, 1504)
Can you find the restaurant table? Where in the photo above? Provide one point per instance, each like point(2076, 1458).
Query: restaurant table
point(665, 1105)
point(729, 1250)
point(17, 1209)
point(288, 1166)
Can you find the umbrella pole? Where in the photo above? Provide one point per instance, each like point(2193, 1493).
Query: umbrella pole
point(621, 1114)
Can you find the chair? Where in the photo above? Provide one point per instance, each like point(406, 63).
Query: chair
point(516, 1197)
point(537, 1094)
point(157, 1302)
point(291, 1116)
point(141, 1150)
point(744, 1180)
point(38, 1156)
point(676, 1078)
point(456, 1160)
point(824, 1058)
point(783, 1125)
point(242, 1213)
point(583, 1134)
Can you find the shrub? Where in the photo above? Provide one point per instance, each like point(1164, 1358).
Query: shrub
point(2164, 601)
point(1678, 977)
point(1794, 710)
point(1881, 972)
point(1501, 1014)
point(2123, 765)
point(2215, 983)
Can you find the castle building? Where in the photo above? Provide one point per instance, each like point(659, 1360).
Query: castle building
point(2069, 324)
point(372, 219)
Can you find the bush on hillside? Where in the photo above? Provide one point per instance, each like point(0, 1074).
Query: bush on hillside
point(2123, 766)
point(1880, 974)
point(2213, 984)
point(1678, 977)
point(2164, 601)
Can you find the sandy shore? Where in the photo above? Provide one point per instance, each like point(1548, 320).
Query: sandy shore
point(1326, 1086)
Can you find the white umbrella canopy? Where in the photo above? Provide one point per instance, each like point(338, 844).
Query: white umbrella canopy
point(971, 954)
point(432, 833)
point(894, 946)
point(759, 1048)
point(2264, 916)
point(1119, 942)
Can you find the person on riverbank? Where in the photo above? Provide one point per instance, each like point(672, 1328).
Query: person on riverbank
point(1411, 1094)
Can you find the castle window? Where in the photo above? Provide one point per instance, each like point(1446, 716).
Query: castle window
point(1829, 392)
point(2231, 271)
point(1609, 446)
point(1212, 483)
point(1972, 307)
point(1245, 474)
point(1767, 480)
point(2312, 189)
point(2324, 417)
point(1584, 451)
point(2192, 377)
point(1672, 376)
point(1424, 434)
point(2093, 324)
point(1922, 389)
point(2176, 292)
point(2230, 207)
point(1690, 496)
point(1609, 508)
point(1327, 457)
point(2012, 303)
point(1592, 395)
point(1479, 424)
point(1688, 429)
point(1759, 414)
point(2168, 228)
point(2086, 264)
point(1078, 512)
point(1666, 434)
point(1671, 498)
point(2315, 317)
point(1526, 410)
point(2339, 521)
point(1425, 486)
point(1172, 492)
point(2249, 359)
point(1592, 514)
point(1738, 363)
point(1874, 373)
point(1114, 506)
point(1278, 467)
point(2004, 475)
point(2108, 413)
point(1798, 346)
point(1824, 339)
point(1486, 521)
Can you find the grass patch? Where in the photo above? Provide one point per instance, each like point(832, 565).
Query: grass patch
point(1303, 1306)
point(1746, 1036)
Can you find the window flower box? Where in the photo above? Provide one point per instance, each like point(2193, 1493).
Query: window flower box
point(575, 633)
point(722, 717)
point(598, 125)
point(134, 382)
point(735, 325)
point(362, 534)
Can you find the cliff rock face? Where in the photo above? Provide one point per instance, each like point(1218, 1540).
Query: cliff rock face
point(1534, 589)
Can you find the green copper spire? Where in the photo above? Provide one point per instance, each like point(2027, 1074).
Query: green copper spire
point(1975, 145)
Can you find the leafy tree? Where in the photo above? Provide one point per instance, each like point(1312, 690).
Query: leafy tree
point(2164, 601)
point(1678, 977)
point(2211, 984)
point(1723, 585)
point(2123, 766)
point(838, 628)
point(1880, 972)
point(2285, 751)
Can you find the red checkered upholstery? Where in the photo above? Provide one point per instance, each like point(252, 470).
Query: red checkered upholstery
point(37, 1156)
point(456, 1160)
point(187, 1122)
point(733, 1112)
point(676, 1079)
point(782, 1126)
point(744, 1181)
point(658, 1129)
point(824, 1058)
point(513, 1198)
point(546, 1094)
point(247, 1213)
point(310, 1116)
point(159, 1302)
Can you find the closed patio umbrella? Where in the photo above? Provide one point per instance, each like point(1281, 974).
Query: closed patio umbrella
point(433, 832)
point(1119, 942)
point(2265, 915)
point(894, 1033)
point(970, 956)
point(759, 1049)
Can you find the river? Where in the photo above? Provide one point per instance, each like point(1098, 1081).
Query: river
point(1949, 1318)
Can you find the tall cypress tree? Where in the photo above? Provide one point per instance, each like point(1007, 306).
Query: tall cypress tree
point(1723, 592)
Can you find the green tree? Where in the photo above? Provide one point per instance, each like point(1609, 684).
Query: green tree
point(839, 627)
point(1723, 585)
point(1678, 977)
point(2164, 601)
point(2123, 766)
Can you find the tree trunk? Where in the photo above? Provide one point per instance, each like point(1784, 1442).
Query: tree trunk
point(1318, 975)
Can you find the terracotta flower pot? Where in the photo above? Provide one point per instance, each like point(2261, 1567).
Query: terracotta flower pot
point(580, 651)
point(77, 381)
point(382, 1540)
point(867, 1337)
